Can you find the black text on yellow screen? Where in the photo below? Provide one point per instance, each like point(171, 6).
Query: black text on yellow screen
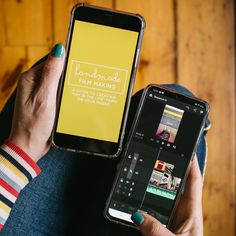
point(102, 53)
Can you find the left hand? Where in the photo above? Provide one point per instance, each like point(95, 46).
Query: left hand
point(35, 105)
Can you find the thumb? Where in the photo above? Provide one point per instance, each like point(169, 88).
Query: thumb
point(52, 69)
point(149, 226)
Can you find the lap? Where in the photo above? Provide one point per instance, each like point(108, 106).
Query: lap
point(69, 196)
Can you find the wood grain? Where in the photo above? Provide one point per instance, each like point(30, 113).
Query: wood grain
point(62, 16)
point(190, 42)
point(157, 64)
point(206, 65)
point(34, 53)
point(28, 22)
point(13, 62)
point(2, 24)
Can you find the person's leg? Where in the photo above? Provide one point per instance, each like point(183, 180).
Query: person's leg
point(69, 196)
point(103, 227)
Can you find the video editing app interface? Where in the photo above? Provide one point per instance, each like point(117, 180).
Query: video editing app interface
point(97, 80)
point(157, 157)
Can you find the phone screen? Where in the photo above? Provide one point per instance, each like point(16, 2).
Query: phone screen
point(96, 81)
point(157, 156)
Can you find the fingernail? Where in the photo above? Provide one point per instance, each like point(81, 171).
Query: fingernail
point(137, 218)
point(58, 50)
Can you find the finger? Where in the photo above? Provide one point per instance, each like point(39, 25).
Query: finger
point(193, 187)
point(190, 204)
point(149, 226)
point(195, 170)
point(52, 69)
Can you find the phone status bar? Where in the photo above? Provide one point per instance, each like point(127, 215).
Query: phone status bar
point(161, 97)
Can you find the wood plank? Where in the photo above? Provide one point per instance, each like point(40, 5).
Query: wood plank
point(157, 64)
point(62, 16)
point(35, 53)
point(13, 62)
point(206, 65)
point(28, 22)
point(2, 24)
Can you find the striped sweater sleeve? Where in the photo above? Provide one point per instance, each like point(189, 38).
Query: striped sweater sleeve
point(17, 169)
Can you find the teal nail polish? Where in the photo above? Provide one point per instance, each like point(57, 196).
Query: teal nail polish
point(137, 218)
point(58, 50)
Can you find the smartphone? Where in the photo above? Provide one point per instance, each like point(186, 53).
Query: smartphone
point(157, 157)
point(102, 53)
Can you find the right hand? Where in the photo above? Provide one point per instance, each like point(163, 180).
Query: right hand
point(188, 217)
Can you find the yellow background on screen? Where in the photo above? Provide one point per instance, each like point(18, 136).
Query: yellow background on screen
point(96, 82)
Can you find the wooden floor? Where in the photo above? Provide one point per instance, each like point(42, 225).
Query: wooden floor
point(190, 42)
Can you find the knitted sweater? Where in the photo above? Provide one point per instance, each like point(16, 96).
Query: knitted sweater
point(17, 169)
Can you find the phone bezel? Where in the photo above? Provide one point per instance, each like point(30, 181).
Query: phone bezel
point(117, 19)
point(174, 94)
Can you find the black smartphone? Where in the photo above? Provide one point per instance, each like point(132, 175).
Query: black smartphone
point(156, 159)
point(102, 52)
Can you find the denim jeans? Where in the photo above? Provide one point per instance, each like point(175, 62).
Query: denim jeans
point(69, 196)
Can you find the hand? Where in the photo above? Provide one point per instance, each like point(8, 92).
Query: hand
point(35, 105)
point(188, 217)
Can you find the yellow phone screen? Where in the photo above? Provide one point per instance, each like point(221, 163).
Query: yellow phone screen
point(96, 81)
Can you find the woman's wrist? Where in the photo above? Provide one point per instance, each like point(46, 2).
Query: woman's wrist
point(33, 149)
point(20, 156)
